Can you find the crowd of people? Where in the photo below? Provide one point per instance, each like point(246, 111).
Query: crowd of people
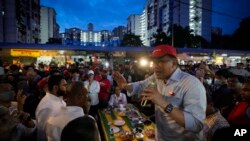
point(189, 102)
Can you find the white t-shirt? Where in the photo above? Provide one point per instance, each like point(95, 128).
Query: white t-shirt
point(49, 106)
point(116, 100)
point(56, 124)
point(93, 89)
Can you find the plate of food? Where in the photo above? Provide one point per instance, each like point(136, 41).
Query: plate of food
point(139, 136)
point(122, 114)
point(126, 136)
point(133, 114)
point(147, 122)
point(115, 129)
point(119, 122)
point(122, 109)
point(150, 133)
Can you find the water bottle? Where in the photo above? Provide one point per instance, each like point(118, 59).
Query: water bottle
point(13, 107)
point(151, 84)
point(86, 86)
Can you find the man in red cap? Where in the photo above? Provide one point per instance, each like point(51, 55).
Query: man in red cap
point(179, 98)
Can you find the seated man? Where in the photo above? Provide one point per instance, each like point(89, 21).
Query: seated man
point(118, 98)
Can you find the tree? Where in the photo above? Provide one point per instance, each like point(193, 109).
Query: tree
point(238, 40)
point(241, 35)
point(161, 38)
point(226, 42)
point(184, 37)
point(215, 40)
point(54, 41)
point(131, 40)
point(198, 41)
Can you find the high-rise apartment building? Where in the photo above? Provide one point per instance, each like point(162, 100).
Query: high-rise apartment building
point(90, 27)
point(143, 28)
point(163, 13)
point(206, 19)
point(119, 32)
point(8, 25)
point(106, 35)
point(49, 27)
point(90, 38)
point(72, 36)
point(56, 29)
point(134, 24)
point(20, 21)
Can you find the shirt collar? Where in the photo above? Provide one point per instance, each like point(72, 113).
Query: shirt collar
point(118, 96)
point(75, 109)
point(175, 76)
point(54, 97)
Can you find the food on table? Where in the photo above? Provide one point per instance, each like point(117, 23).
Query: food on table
point(119, 122)
point(150, 133)
point(126, 136)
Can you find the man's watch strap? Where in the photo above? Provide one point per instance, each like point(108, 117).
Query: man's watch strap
point(169, 108)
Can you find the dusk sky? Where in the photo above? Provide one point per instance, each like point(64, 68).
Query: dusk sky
point(108, 14)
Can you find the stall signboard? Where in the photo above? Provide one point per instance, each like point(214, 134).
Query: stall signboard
point(32, 53)
point(25, 52)
point(119, 54)
point(79, 52)
point(49, 53)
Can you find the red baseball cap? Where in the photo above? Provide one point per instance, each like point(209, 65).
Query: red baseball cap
point(42, 83)
point(162, 50)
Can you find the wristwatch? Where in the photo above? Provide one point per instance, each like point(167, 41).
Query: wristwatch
point(169, 108)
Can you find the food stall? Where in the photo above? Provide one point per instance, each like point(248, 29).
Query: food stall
point(126, 124)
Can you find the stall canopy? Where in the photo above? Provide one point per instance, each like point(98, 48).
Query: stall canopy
point(115, 48)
